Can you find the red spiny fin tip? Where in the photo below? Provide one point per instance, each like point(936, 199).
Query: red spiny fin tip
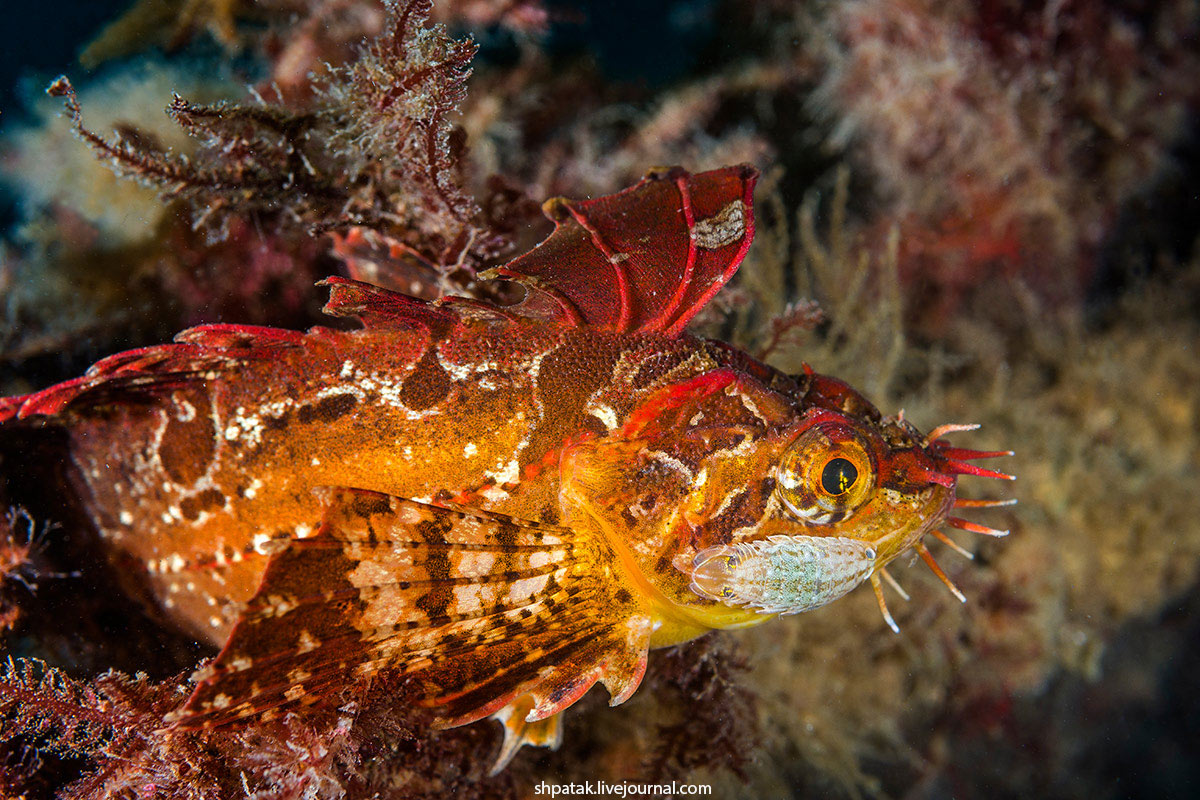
point(963, 468)
point(963, 454)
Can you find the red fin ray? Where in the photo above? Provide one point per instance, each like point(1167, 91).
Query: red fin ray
point(150, 371)
point(609, 260)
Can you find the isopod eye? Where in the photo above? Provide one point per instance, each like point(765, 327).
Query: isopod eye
point(826, 473)
point(839, 476)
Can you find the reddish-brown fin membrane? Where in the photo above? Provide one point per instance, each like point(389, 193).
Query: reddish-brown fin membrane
point(196, 354)
point(486, 608)
point(645, 259)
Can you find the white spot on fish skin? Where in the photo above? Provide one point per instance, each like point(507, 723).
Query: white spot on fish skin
point(215, 621)
point(605, 414)
point(457, 372)
point(307, 642)
point(176, 563)
point(468, 597)
point(347, 370)
point(469, 450)
point(509, 473)
point(261, 543)
point(232, 432)
point(240, 663)
point(221, 701)
point(184, 411)
point(126, 518)
point(278, 605)
point(298, 675)
point(304, 531)
point(670, 461)
point(316, 462)
point(493, 494)
point(522, 590)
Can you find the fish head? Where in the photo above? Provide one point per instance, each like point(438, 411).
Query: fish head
point(853, 490)
point(729, 500)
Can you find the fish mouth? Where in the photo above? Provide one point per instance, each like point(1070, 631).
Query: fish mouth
point(945, 463)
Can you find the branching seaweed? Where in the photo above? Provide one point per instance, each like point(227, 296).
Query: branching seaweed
point(120, 727)
point(377, 150)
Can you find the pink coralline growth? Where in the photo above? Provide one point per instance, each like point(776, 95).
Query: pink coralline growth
point(1004, 137)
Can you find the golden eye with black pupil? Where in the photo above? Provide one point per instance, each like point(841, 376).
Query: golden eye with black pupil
point(827, 473)
point(839, 476)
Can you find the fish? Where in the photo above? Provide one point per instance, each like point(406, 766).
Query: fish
point(508, 503)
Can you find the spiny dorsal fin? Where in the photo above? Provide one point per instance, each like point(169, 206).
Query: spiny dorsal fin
point(149, 371)
point(480, 606)
point(645, 259)
point(377, 307)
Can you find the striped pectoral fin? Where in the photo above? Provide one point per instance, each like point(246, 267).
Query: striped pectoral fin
point(482, 608)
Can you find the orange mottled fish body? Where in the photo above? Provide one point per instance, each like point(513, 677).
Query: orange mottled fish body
point(510, 503)
point(203, 485)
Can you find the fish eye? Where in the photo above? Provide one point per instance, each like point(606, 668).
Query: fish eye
point(826, 473)
point(839, 476)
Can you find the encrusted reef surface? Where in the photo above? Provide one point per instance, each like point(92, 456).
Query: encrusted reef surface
point(978, 212)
